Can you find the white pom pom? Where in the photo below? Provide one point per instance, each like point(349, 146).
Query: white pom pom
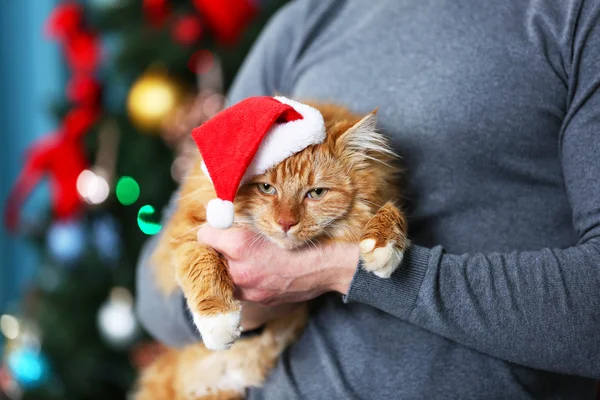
point(219, 213)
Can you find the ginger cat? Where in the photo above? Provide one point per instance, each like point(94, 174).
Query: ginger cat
point(341, 190)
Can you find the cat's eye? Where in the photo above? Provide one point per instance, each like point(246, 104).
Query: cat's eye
point(317, 193)
point(266, 188)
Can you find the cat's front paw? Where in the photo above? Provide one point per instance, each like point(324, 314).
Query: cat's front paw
point(383, 241)
point(382, 261)
point(202, 274)
point(219, 331)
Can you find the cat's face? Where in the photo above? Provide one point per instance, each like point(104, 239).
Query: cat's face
point(297, 201)
point(326, 191)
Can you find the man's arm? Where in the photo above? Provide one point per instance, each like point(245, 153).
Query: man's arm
point(537, 308)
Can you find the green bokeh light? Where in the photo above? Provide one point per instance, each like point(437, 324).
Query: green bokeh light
point(147, 220)
point(128, 190)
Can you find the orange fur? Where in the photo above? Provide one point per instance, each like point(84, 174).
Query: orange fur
point(356, 167)
point(388, 224)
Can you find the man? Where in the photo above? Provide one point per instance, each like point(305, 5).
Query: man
point(495, 108)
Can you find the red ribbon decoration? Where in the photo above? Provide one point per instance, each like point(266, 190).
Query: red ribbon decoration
point(62, 160)
point(82, 51)
point(78, 122)
point(64, 21)
point(83, 89)
point(61, 156)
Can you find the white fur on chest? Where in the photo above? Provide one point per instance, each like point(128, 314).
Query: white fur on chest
point(219, 372)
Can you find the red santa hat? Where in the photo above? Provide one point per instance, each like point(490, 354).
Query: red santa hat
point(246, 140)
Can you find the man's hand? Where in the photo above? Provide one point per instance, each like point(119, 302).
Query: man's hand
point(267, 274)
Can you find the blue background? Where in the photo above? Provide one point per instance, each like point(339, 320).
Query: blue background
point(31, 77)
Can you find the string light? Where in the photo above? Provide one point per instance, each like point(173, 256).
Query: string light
point(116, 318)
point(146, 220)
point(28, 366)
point(9, 326)
point(128, 190)
point(66, 241)
point(92, 187)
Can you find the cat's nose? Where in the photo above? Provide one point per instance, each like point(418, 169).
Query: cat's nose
point(286, 224)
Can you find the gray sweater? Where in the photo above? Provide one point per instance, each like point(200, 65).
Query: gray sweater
point(495, 108)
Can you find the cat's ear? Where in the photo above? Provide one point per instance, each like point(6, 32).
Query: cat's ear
point(363, 138)
point(367, 124)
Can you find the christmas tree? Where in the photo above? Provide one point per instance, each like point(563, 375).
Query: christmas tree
point(142, 74)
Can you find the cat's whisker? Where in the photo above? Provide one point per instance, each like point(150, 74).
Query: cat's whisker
point(190, 194)
point(306, 242)
point(258, 239)
point(320, 249)
point(253, 239)
point(328, 234)
point(251, 244)
point(370, 202)
point(250, 239)
point(311, 242)
point(262, 240)
point(327, 223)
point(175, 239)
point(316, 247)
point(242, 224)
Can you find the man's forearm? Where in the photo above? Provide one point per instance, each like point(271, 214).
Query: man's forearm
point(537, 308)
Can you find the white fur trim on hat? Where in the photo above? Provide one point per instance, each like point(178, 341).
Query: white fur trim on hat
point(205, 170)
point(287, 139)
point(219, 213)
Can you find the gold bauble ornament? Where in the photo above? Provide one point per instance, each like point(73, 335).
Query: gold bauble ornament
point(152, 98)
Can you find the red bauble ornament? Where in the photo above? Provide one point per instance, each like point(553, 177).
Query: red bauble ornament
point(187, 30)
point(83, 52)
point(226, 18)
point(64, 21)
point(84, 90)
point(201, 61)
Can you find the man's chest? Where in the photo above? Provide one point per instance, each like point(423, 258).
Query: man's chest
point(473, 106)
point(442, 76)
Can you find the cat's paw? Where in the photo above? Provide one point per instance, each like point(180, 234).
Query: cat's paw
point(383, 242)
point(382, 261)
point(219, 331)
